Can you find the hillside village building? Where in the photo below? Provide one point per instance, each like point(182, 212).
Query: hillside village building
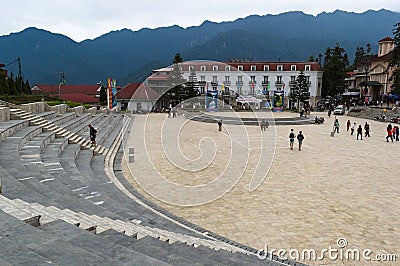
point(371, 78)
point(246, 79)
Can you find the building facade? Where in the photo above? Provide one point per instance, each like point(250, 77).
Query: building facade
point(371, 77)
point(236, 78)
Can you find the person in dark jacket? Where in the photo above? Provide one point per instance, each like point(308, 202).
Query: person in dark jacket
point(92, 133)
point(359, 132)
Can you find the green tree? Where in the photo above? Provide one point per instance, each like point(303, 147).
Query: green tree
point(312, 58)
point(27, 88)
point(336, 66)
point(177, 59)
point(103, 95)
point(394, 61)
point(360, 55)
point(301, 90)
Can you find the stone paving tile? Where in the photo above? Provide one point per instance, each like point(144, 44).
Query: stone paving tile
point(336, 187)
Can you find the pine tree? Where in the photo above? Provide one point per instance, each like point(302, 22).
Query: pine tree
point(336, 66)
point(395, 61)
point(301, 91)
point(177, 59)
point(103, 95)
point(27, 88)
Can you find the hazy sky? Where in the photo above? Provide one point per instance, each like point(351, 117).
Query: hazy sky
point(87, 19)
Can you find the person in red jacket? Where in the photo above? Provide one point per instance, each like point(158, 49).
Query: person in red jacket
point(389, 131)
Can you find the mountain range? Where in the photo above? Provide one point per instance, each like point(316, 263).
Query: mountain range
point(129, 56)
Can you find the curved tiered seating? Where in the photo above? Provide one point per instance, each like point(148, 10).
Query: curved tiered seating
point(53, 180)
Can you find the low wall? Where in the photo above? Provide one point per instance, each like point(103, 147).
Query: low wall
point(92, 110)
point(60, 108)
point(4, 114)
point(78, 110)
point(35, 108)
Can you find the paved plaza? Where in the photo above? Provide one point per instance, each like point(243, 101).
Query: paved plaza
point(336, 187)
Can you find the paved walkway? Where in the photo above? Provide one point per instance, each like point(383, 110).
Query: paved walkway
point(336, 187)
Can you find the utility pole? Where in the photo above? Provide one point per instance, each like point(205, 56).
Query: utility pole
point(62, 82)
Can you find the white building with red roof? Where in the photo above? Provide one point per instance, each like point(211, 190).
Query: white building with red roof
point(258, 79)
point(137, 97)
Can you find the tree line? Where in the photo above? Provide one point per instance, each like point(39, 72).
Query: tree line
point(10, 85)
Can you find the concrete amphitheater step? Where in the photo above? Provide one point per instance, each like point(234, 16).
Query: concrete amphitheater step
point(153, 248)
point(98, 245)
point(23, 210)
point(23, 244)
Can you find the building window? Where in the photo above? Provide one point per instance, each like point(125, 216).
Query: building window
point(203, 68)
point(266, 79)
point(280, 68)
point(202, 90)
point(240, 68)
point(227, 68)
point(215, 68)
point(253, 79)
point(292, 78)
point(240, 78)
point(227, 79)
point(215, 79)
point(307, 68)
point(191, 68)
point(202, 78)
point(293, 68)
point(279, 79)
point(253, 68)
point(266, 68)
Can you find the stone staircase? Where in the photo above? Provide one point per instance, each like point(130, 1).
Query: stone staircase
point(60, 132)
point(46, 214)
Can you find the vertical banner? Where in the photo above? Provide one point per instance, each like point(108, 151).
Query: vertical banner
point(278, 101)
point(111, 92)
point(212, 101)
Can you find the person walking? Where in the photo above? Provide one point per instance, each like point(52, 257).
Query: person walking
point(397, 133)
point(220, 125)
point(352, 128)
point(337, 126)
point(92, 134)
point(300, 138)
point(292, 136)
point(263, 125)
point(359, 132)
point(348, 125)
point(394, 133)
point(329, 112)
point(366, 128)
point(389, 131)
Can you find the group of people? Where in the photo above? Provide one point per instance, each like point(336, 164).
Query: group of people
point(352, 127)
point(392, 133)
point(172, 112)
point(292, 136)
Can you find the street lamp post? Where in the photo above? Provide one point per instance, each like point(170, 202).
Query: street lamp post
point(62, 81)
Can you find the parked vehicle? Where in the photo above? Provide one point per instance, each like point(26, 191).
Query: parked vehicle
point(339, 110)
point(319, 120)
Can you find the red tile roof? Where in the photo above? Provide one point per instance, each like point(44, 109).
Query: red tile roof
point(137, 91)
point(69, 89)
point(79, 98)
point(127, 91)
point(387, 39)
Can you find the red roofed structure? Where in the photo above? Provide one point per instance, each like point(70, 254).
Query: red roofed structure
point(90, 90)
point(137, 97)
point(79, 98)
